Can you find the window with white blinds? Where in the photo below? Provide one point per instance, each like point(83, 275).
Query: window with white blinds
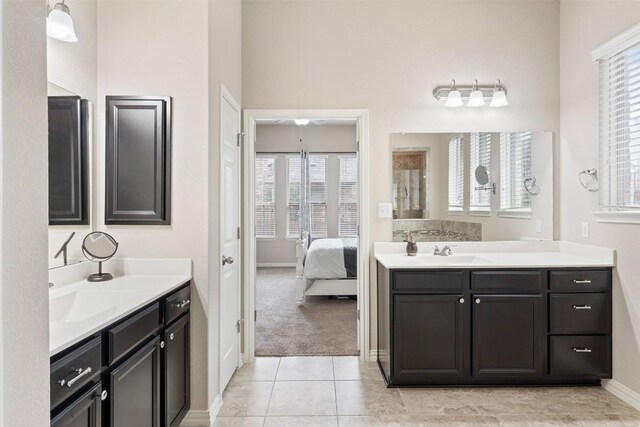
point(456, 174)
point(620, 129)
point(348, 196)
point(318, 195)
point(293, 196)
point(265, 197)
point(515, 167)
point(480, 155)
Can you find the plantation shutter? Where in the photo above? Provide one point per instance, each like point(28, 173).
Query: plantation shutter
point(265, 197)
point(480, 195)
point(456, 173)
point(515, 167)
point(293, 195)
point(318, 195)
point(348, 196)
point(620, 129)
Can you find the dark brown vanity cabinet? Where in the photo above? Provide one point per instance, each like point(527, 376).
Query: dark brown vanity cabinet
point(500, 327)
point(134, 372)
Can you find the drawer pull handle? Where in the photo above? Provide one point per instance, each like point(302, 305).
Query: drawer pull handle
point(582, 350)
point(182, 304)
point(461, 300)
point(171, 337)
point(581, 282)
point(477, 300)
point(582, 307)
point(81, 373)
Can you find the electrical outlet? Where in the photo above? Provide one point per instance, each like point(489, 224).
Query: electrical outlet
point(585, 230)
point(538, 226)
point(385, 210)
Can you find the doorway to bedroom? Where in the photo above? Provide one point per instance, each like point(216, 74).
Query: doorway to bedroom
point(305, 269)
point(306, 237)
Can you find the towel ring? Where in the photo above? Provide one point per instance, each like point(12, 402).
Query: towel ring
point(531, 186)
point(589, 180)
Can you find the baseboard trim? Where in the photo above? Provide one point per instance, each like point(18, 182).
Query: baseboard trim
point(276, 264)
point(199, 418)
point(622, 392)
point(373, 355)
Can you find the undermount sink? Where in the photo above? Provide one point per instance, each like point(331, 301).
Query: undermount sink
point(81, 305)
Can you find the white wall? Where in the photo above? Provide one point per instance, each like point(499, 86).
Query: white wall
point(291, 139)
point(23, 265)
point(73, 66)
point(388, 56)
point(137, 55)
point(584, 26)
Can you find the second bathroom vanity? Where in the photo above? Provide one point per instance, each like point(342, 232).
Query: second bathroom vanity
point(494, 313)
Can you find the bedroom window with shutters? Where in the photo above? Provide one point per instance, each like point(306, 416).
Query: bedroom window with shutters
point(480, 155)
point(293, 196)
point(456, 174)
point(515, 167)
point(348, 196)
point(620, 128)
point(265, 197)
point(318, 195)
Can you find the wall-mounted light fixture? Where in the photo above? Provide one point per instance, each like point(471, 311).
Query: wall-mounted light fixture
point(60, 24)
point(474, 95)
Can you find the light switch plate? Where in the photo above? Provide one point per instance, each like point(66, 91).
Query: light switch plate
point(538, 226)
point(385, 210)
point(585, 230)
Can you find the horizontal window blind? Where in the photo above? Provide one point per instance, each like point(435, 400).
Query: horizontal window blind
point(456, 173)
point(348, 196)
point(620, 129)
point(265, 197)
point(318, 195)
point(293, 195)
point(480, 155)
point(515, 167)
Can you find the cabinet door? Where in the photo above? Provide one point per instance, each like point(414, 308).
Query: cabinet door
point(428, 338)
point(85, 411)
point(176, 372)
point(135, 389)
point(508, 335)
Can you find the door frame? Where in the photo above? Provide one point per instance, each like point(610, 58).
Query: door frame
point(225, 96)
point(361, 117)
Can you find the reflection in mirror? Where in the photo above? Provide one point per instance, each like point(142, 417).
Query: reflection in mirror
point(99, 247)
point(472, 186)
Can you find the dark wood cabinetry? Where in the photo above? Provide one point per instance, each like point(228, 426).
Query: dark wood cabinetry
point(507, 335)
point(501, 327)
point(135, 372)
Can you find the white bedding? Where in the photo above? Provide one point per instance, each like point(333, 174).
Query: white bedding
point(325, 260)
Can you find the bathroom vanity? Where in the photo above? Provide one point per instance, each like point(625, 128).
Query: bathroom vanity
point(120, 349)
point(495, 313)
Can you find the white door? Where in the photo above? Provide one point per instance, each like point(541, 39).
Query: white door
point(229, 237)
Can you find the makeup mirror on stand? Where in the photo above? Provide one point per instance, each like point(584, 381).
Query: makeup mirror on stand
point(99, 247)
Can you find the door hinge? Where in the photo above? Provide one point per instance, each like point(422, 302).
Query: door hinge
point(239, 138)
point(255, 315)
point(238, 233)
point(239, 325)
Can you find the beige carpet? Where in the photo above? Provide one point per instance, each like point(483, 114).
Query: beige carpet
point(321, 326)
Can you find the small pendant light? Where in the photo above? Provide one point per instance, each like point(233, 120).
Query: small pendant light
point(499, 97)
point(454, 99)
point(476, 98)
point(60, 24)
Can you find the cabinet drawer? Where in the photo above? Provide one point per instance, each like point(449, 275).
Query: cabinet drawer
point(428, 281)
point(580, 280)
point(176, 304)
point(584, 356)
point(86, 410)
point(133, 331)
point(579, 313)
point(509, 281)
point(73, 371)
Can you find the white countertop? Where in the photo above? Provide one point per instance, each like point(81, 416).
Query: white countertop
point(521, 254)
point(78, 309)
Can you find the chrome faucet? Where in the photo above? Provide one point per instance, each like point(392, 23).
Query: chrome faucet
point(63, 249)
point(445, 251)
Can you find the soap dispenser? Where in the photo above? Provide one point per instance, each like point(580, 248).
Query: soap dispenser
point(412, 246)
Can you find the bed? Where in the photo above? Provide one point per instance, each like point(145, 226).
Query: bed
point(326, 267)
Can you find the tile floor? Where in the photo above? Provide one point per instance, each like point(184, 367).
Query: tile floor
point(332, 391)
